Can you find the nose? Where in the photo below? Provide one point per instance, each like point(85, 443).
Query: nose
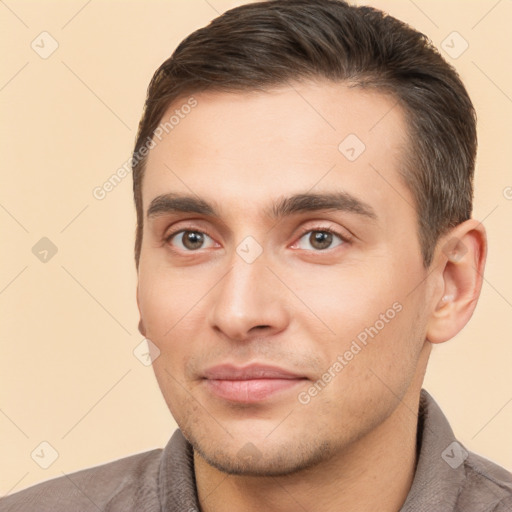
point(249, 301)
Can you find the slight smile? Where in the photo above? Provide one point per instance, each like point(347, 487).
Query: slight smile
point(249, 384)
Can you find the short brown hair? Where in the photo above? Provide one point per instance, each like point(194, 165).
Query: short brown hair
point(265, 44)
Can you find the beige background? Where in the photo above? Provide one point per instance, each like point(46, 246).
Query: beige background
point(68, 373)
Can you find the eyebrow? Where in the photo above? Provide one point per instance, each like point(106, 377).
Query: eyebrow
point(283, 207)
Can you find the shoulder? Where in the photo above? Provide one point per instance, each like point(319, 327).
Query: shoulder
point(486, 485)
point(118, 485)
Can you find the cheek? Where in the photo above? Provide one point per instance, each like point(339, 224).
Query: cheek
point(170, 382)
point(172, 308)
point(167, 301)
point(376, 320)
point(346, 298)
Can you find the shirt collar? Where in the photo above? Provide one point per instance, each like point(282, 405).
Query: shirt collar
point(440, 470)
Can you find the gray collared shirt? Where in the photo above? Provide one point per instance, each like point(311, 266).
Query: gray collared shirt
point(448, 478)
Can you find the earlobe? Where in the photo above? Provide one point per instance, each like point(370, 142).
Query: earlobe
point(142, 329)
point(460, 261)
point(441, 324)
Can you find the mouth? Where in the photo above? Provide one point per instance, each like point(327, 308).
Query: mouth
point(249, 384)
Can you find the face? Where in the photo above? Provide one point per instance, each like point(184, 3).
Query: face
point(287, 294)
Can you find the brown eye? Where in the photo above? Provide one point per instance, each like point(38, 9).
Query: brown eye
point(188, 240)
point(320, 240)
point(192, 239)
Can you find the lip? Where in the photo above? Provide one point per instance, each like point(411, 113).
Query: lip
point(249, 384)
point(249, 372)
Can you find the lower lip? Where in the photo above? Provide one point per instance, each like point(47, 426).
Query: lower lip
point(250, 391)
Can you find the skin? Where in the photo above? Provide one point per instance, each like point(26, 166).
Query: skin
point(353, 445)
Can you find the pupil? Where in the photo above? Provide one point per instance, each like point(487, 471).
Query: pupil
point(193, 240)
point(321, 239)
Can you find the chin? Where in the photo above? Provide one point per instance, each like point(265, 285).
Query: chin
point(266, 459)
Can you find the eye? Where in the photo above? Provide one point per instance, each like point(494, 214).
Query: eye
point(188, 240)
point(320, 239)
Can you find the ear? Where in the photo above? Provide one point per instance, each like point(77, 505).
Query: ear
point(459, 266)
point(142, 328)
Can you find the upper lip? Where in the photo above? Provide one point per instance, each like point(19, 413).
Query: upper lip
point(249, 372)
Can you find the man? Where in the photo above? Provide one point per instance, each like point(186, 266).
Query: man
point(303, 185)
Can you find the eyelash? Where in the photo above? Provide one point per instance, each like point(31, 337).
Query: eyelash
point(343, 237)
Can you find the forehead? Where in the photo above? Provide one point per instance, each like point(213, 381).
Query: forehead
point(242, 150)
